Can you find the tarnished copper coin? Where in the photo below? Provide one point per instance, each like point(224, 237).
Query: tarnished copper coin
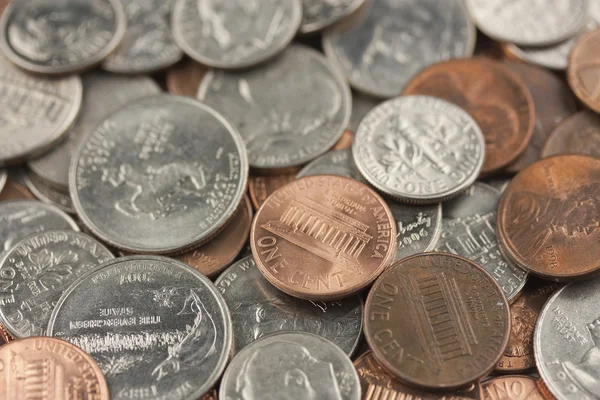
point(5, 336)
point(323, 237)
point(496, 98)
point(549, 218)
point(15, 191)
point(184, 78)
point(345, 141)
point(579, 134)
point(49, 368)
point(261, 187)
point(211, 258)
point(437, 321)
point(583, 70)
point(513, 387)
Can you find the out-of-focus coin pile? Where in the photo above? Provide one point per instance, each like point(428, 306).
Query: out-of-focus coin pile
point(300, 199)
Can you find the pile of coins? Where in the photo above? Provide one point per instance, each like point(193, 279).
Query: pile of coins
point(337, 199)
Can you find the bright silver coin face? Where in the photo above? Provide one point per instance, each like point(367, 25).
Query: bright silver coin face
point(61, 36)
point(320, 14)
point(162, 174)
point(154, 325)
point(289, 111)
point(49, 194)
point(235, 33)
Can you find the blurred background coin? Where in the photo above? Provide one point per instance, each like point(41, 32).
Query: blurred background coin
point(579, 134)
point(513, 387)
point(582, 72)
point(261, 187)
point(320, 14)
point(185, 77)
point(49, 194)
point(15, 191)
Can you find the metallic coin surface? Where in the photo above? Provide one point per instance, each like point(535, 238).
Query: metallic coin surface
point(261, 187)
point(259, 309)
point(49, 194)
point(102, 94)
point(437, 321)
point(287, 124)
point(548, 218)
point(37, 270)
point(61, 36)
point(579, 134)
point(154, 325)
point(185, 77)
point(214, 256)
point(419, 149)
point(394, 40)
point(338, 162)
point(15, 191)
point(162, 174)
point(291, 365)
point(469, 230)
point(320, 14)
point(212, 395)
point(3, 179)
point(496, 98)
point(582, 72)
point(514, 387)
point(5, 336)
point(362, 104)
point(529, 23)
point(498, 182)
point(543, 389)
point(49, 368)
point(148, 44)
point(323, 237)
point(344, 142)
point(235, 33)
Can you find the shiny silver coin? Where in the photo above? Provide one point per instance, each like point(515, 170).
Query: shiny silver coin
point(259, 309)
point(148, 44)
point(162, 174)
point(291, 365)
point(393, 40)
point(320, 14)
point(102, 94)
point(49, 194)
point(362, 104)
point(155, 326)
point(61, 36)
point(3, 178)
point(419, 149)
point(235, 33)
point(338, 162)
point(469, 230)
point(527, 22)
point(289, 111)
point(36, 111)
point(37, 270)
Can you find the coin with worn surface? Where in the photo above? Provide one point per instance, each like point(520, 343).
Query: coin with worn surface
point(419, 149)
point(582, 72)
point(495, 97)
point(155, 326)
point(291, 365)
point(287, 124)
point(49, 194)
point(579, 134)
point(549, 218)
point(184, 78)
point(259, 309)
point(37, 270)
point(514, 387)
point(394, 40)
point(49, 368)
point(15, 191)
point(235, 33)
point(160, 175)
point(362, 104)
point(320, 14)
point(261, 187)
point(61, 36)
point(437, 321)
point(338, 162)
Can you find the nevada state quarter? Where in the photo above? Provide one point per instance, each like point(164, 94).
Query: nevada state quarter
point(165, 161)
point(156, 327)
point(320, 14)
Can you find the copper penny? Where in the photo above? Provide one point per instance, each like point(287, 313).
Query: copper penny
point(437, 321)
point(549, 218)
point(5, 336)
point(579, 134)
point(553, 102)
point(583, 70)
point(49, 368)
point(513, 387)
point(543, 388)
point(323, 237)
point(345, 141)
point(15, 191)
point(185, 77)
point(494, 96)
point(261, 187)
point(212, 395)
point(211, 258)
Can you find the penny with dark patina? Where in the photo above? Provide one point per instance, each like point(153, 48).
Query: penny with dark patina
point(261, 187)
point(583, 70)
point(513, 387)
point(345, 141)
point(14, 191)
point(184, 78)
point(579, 134)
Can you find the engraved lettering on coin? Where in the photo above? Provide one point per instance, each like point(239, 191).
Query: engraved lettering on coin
point(579, 134)
point(320, 14)
point(514, 387)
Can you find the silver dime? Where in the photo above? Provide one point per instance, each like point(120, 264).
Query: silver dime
point(154, 325)
point(419, 149)
point(49, 194)
point(393, 40)
point(103, 93)
point(289, 111)
point(3, 178)
point(61, 36)
point(469, 230)
point(235, 33)
point(35, 273)
point(362, 104)
point(148, 44)
point(320, 14)
point(162, 174)
point(337, 162)
point(259, 309)
point(291, 365)
point(529, 22)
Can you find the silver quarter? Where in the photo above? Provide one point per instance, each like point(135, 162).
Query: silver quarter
point(259, 309)
point(235, 33)
point(37, 270)
point(102, 94)
point(155, 326)
point(469, 230)
point(320, 14)
point(337, 162)
point(61, 36)
point(291, 365)
point(527, 22)
point(393, 40)
point(419, 149)
point(362, 104)
point(148, 44)
point(289, 111)
point(49, 194)
point(162, 174)
point(3, 178)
